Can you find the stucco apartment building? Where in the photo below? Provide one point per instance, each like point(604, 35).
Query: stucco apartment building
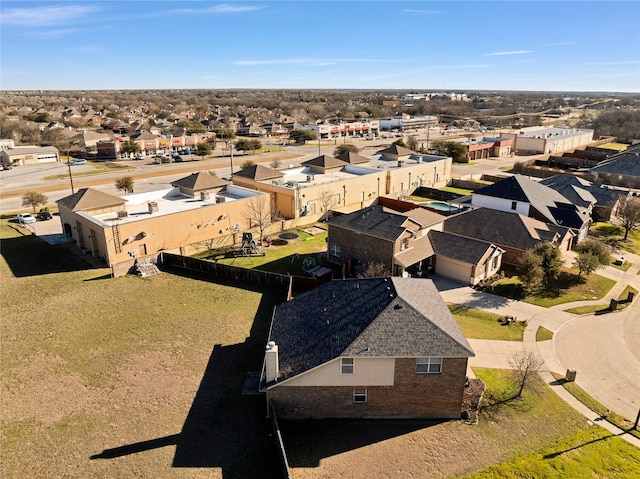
point(345, 184)
point(199, 207)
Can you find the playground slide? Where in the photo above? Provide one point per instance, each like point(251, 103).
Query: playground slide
point(255, 248)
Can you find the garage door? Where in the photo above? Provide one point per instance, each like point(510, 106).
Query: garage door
point(453, 269)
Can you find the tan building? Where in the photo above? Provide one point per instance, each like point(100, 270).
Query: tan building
point(29, 155)
point(200, 207)
point(344, 184)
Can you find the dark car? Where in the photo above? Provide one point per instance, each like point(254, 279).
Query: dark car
point(177, 159)
point(44, 215)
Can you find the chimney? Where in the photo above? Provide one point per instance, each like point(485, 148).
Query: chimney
point(271, 362)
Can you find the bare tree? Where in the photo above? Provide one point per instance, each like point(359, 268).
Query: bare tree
point(628, 214)
point(327, 201)
point(374, 270)
point(275, 163)
point(259, 214)
point(524, 368)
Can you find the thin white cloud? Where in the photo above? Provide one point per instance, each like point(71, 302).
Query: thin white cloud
point(218, 9)
point(514, 52)
point(41, 16)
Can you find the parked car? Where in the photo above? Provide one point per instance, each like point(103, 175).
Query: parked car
point(177, 158)
point(26, 218)
point(44, 215)
point(5, 166)
point(78, 162)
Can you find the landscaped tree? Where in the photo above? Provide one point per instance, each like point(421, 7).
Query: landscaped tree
point(259, 215)
point(412, 142)
point(247, 164)
point(34, 199)
point(203, 149)
point(449, 148)
point(399, 142)
point(628, 214)
point(586, 263)
point(129, 147)
point(530, 272)
point(345, 148)
point(248, 144)
point(125, 183)
point(302, 136)
point(551, 261)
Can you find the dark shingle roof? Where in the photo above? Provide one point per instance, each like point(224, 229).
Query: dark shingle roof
point(424, 216)
point(502, 228)
point(259, 173)
point(572, 188)
point(396, 150)
point(373, 317)
point(626, 163)
point(467, 250)
point(89, 199)
point(373, 220)
point(547, 201)
point(200, 181)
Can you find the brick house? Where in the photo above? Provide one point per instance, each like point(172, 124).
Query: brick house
point(410, 243)
point(356, 348)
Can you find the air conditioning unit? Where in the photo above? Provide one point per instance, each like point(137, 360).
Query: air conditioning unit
point(123, 214)
point(153, 207)
point(277, 182)
point(219, 199)
point(205, 195)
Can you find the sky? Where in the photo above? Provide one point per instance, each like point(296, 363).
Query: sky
point(393, 44)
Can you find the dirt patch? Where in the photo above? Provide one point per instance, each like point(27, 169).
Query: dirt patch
point(473, 391)
point(313, 230)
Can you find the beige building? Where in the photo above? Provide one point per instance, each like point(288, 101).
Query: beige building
point(200, 207)
point(344, 184)
point(29, 155)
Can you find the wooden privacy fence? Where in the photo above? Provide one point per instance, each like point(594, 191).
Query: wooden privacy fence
point(296, 284)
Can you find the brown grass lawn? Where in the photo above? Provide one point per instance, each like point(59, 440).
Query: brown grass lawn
point(146, 374)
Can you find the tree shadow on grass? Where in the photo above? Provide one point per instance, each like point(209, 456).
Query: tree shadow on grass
point(31, 256)
point(223, 428)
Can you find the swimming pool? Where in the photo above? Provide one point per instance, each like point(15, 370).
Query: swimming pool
point(441, 206)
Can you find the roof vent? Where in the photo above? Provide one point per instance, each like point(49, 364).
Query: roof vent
point(397, 306)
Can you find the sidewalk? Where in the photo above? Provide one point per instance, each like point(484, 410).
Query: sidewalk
point(497, 354)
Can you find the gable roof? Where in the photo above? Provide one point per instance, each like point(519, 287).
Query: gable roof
point(571, 187)
point(396, 150)
point(353, 158)
point(90, 199)
point(375, 221)
point(467, 250)
point(503, 228)
point(424, 216)
point(626, 163)
point(259, 173)
point(201, 180)
point(324, 161)
point(372, 317)
point(548, 202)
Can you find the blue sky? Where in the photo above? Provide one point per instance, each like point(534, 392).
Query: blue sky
point(420, 45)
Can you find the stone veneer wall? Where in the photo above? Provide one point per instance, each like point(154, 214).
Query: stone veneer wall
point(413, 395)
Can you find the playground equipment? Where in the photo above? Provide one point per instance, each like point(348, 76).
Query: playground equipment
point(249, 246)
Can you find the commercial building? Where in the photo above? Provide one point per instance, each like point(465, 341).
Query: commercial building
point(549, 140)
point(29, 155)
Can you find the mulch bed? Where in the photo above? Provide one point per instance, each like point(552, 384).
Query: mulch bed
point(471, 400)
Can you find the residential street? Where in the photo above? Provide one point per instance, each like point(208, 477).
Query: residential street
point(603, 349)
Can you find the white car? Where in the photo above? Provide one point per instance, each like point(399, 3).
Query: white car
point(26, 218)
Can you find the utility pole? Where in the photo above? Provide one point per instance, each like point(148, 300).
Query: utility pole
point(70, 175)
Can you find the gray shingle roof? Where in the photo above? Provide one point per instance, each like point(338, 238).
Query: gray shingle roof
point(626, 163)
point(502, 228)
point(467, 250)
point(548, 202)
point(373, 220)
point(353, 158)
point(572, 188)
point(396, 150)
point(373, 317)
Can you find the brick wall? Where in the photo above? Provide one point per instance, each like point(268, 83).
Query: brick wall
point(413, 395)
point(364, 248)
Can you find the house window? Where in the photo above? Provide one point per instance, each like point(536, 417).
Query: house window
point(514, 205)
point(405, 244)
point(495, 262)
point(359, 396)
point(428, 365)
point(335, 250)
point(347, 366)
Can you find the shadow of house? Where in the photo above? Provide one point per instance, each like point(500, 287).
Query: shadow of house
point(223, 428)
point(31, 256)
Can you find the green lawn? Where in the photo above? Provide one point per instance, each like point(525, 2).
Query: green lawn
point(543, 334)
point(623, 267)
point(586, 399)
point(614, 234)
point(461, 191)
point(99, 167)
point(285, 259)
point(588, 309)
point(568, 289)
point(478, 324)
